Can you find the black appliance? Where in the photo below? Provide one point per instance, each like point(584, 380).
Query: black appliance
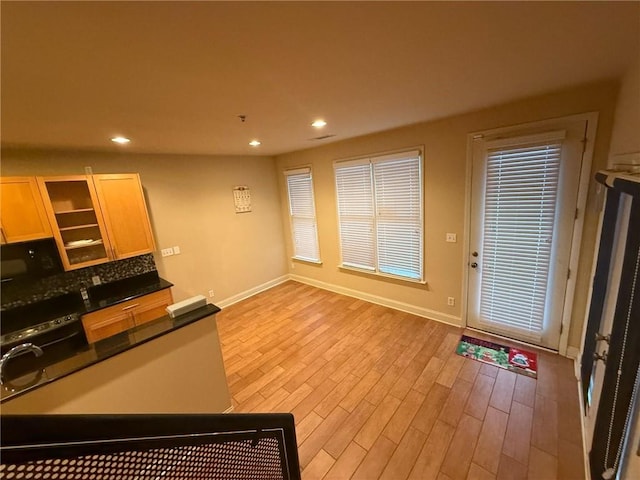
point(53, 325)
point(29, 260)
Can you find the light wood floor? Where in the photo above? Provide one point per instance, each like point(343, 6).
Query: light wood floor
point(378, 393)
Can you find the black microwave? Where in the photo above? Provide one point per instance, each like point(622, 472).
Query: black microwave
point(29, 260)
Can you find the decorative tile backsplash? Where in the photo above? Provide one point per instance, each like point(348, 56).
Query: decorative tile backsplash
point(19, 294)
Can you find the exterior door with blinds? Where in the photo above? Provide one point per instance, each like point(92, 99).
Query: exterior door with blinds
point(524, 197)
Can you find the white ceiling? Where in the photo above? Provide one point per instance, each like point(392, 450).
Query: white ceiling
point(174, 76)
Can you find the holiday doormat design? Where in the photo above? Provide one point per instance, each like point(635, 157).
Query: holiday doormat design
point(511, 358)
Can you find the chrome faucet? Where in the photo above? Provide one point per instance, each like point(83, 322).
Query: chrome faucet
point(17, 350)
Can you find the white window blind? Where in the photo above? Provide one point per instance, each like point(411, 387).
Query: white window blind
point(354, 188)
point(302, 212)
point(380, 214)
point(519, 215)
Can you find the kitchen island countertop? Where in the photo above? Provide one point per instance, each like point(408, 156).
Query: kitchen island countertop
point(91, 354)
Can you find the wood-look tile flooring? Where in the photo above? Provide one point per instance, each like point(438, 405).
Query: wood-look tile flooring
point(378, 393)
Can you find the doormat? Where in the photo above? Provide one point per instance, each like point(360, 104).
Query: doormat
point(510, 358)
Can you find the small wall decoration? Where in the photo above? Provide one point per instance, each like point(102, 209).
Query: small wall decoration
point(242, 198)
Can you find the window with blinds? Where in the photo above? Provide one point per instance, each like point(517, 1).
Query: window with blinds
point(380, 214)
point(519, 215)
point(302, 214)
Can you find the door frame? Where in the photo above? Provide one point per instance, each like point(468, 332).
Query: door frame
point(576, 240)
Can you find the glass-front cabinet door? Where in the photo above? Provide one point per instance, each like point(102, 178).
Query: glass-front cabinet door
point(76, 220)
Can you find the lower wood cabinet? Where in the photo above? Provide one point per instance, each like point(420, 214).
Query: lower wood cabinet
point(123, 316)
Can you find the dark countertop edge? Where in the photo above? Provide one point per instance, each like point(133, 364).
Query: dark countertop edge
point(121, 343)
point(142, 290)
point(112, 293)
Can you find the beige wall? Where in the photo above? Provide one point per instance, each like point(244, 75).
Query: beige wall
point(625, 137)
point(180, 372)
point(191, 205)
point(190, 202)
point(445, 146)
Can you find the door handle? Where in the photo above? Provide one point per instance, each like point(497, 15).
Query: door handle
point(475, 254)
point(474, 265)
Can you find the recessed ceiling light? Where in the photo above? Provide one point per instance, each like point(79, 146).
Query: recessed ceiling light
point(254, 143)
point(319, 124)
point(120, 140)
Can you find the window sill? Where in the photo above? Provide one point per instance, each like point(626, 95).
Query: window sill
point(307, 260)
point(382, 276)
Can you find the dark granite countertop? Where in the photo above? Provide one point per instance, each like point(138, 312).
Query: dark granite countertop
point(99, 297)
point(102, 296)
point(88, 355)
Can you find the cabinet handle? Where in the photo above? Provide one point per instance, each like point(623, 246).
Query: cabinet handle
point(131, 306)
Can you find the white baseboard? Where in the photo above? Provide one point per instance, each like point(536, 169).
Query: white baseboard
point(573, 352)
point(252, 291)
point(385, 302)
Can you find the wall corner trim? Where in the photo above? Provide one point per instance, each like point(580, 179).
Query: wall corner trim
point(385, 302)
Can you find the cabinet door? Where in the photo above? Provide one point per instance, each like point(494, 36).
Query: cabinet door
point(106, 323)
point(74, 213)
point(125, 214)
point(153, 307)
point(22, 211)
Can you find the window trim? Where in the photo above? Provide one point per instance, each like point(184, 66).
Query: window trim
point(296, 171)
point(417, 151)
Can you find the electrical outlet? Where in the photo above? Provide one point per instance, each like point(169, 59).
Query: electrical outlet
point(451, 301)
point(176, 250)
point(96, 280)
point(166, 252)
point(210, 293)
point(452, 237)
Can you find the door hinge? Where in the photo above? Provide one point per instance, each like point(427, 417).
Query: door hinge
point(561, 328)
point(584, 144)
point(576, 216)
point(568, 273)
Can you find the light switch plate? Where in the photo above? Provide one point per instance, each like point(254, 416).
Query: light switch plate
point(166, 252)
point(452, 237)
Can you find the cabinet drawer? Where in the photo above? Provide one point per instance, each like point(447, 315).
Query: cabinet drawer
point(153, 307)
point(101, 324)
point(123, 316)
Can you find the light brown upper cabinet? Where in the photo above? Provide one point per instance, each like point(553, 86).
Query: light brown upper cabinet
point(125, 214)
point(74, 213)
point(97, 218)
point(22, 212)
